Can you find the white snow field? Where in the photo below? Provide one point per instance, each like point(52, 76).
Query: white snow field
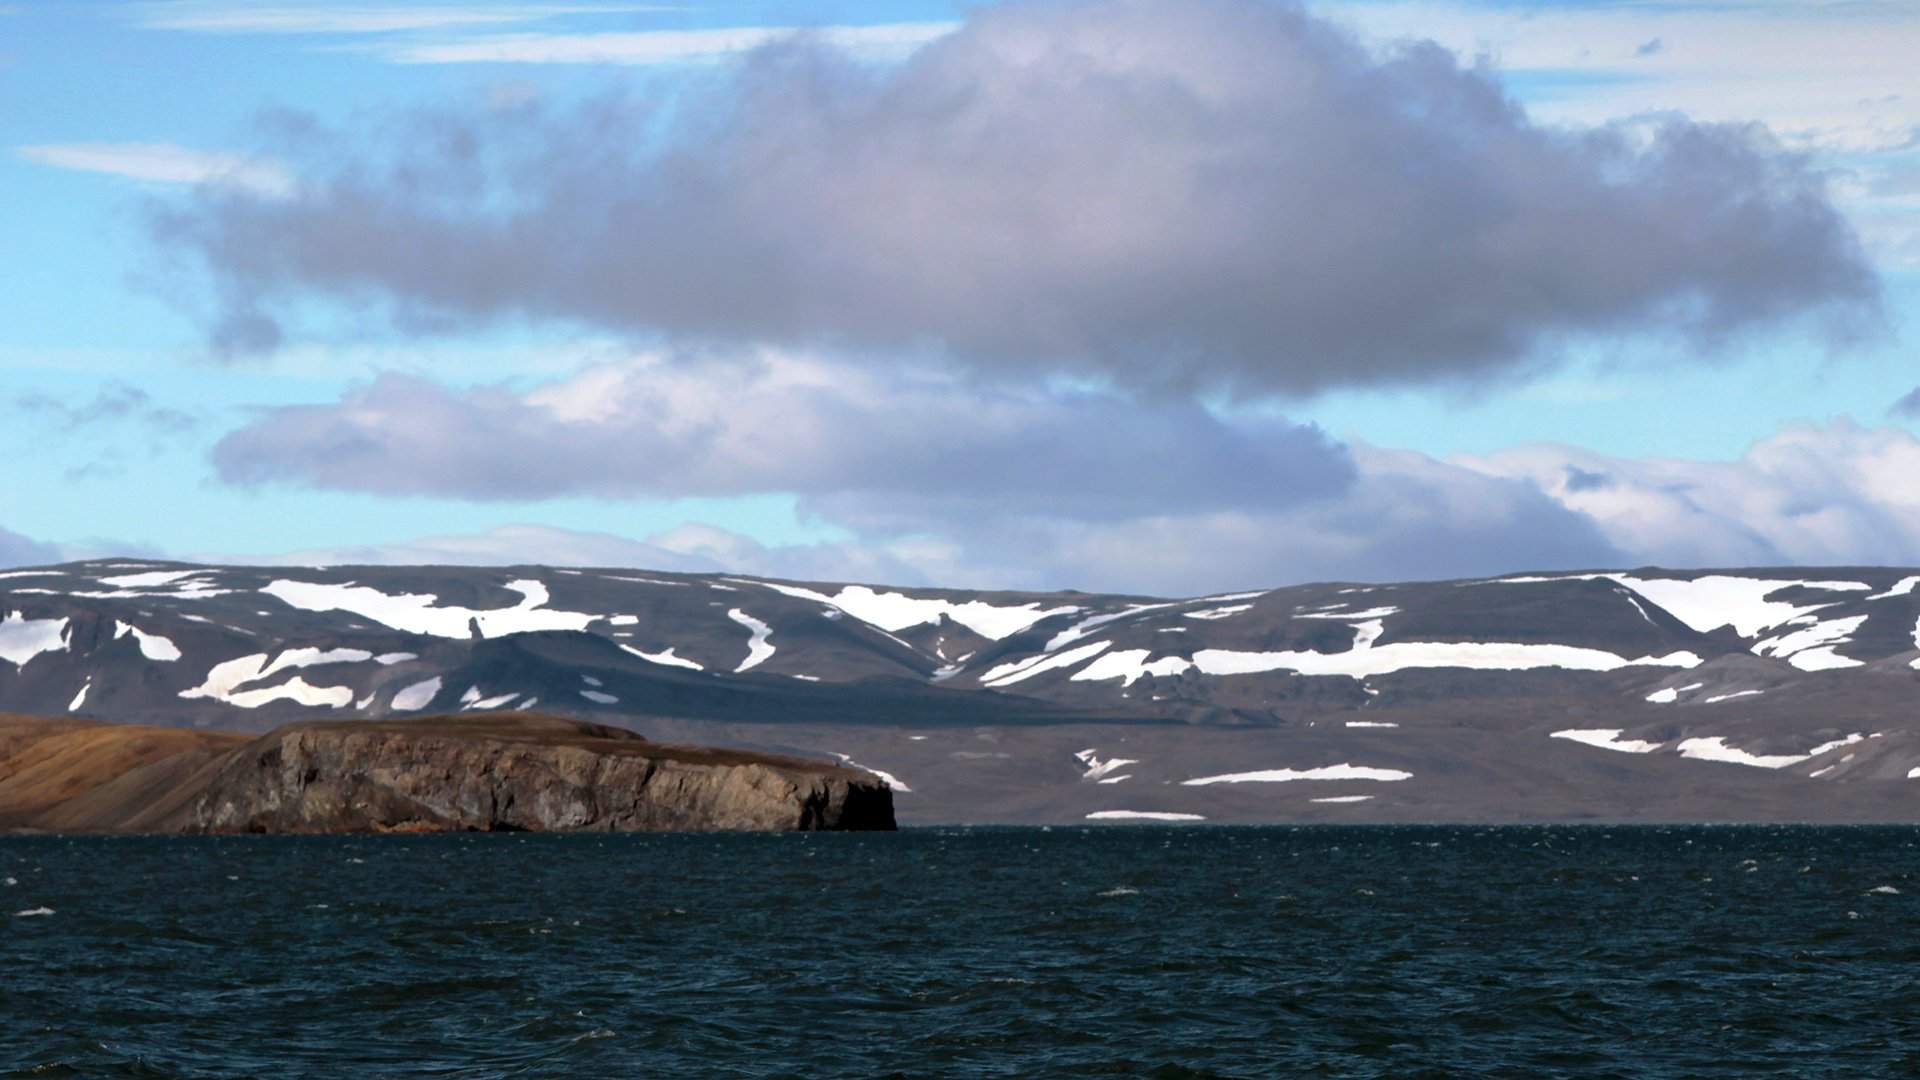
point(1282, 776)
point(1606, 739)
point(22, 639)
point(417, 613)
point(225, 679)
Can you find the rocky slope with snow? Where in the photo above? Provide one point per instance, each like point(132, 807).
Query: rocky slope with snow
point(1700, 695)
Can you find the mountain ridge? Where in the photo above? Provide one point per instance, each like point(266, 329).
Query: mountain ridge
point(970, 699)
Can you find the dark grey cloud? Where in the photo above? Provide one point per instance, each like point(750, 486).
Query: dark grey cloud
point(1229, 194)
point(922, 443)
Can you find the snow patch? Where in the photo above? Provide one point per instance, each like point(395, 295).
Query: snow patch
point(489, 703)
point(664, 657)
point(1716, 600)
point(1096, 768)
point(152, 646)
point(417, 613)
point(1371, 723)
point(1606, 739)
point(1219, 612)
point(1088, 625)
point(1282, 776)
point(887, 778)
point(153, 580)
point(224, 680)
point(418, 696)
point(1370, 613)
point(1129, 665)
point(1021, 670)
point(1141, 815)
point(1811, 649)
point(1365, 659)
point(599, 698)
point(22, 639)
point(1342, 799)
point(80, 698)
point(757, 648)
point(1717, 698)
point(1903, 587)
point(897, 611)
point(1716, 749)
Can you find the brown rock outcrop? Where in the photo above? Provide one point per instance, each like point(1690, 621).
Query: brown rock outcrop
point(487, 772)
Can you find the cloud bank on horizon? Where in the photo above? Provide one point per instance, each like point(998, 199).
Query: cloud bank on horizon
point(1044, 297)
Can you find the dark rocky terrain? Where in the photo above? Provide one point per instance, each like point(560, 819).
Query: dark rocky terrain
point(486, 772)
point(1748, 694)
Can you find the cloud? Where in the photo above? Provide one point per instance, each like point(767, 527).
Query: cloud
point(934, 479)
point(1222, 194)
point(1405, 517)
point(114, 403)
point(919, 444)
point(165, 163)
point(1650, 47)
point(1828, 495)
point(1908, 405)
point(17, 550)
point(662, 46)
point(223, 16)
point(1833, 76)
point(1834, 494)
point(503, 546)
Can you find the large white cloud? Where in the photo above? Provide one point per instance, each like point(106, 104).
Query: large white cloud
point(1164, 193)
point(1829, 494)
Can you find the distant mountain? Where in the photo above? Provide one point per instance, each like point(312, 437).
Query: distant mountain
point(1763, 694)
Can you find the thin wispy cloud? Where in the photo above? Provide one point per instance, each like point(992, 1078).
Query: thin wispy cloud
point(660, 46)
point(231, 18)
point(167, 163)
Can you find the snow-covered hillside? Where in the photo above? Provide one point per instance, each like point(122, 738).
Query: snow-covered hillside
point(1801, 673)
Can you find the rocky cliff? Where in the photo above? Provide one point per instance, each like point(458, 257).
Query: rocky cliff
point(486, 772)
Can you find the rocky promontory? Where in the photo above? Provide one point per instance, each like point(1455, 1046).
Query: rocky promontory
point(475, 772)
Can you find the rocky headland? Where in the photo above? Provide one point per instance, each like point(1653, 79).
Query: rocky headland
point(473, 772)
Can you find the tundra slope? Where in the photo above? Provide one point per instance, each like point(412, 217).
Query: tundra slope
point(1752, 694)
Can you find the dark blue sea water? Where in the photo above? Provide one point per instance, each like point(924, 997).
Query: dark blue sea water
point(1366, 952)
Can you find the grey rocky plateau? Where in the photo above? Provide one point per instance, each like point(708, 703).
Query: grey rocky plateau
point(1708, 695)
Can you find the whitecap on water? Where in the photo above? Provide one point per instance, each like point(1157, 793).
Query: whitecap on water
point(1120, 890)
point(1885, 890)
point(32, 912)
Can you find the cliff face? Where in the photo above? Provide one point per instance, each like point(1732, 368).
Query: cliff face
point(498, 772)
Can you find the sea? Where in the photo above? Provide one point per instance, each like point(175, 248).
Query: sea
point(1152, 951)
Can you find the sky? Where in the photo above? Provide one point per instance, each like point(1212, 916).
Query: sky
point(1149, 296)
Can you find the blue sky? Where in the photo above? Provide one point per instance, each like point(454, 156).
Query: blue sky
point(131, 424)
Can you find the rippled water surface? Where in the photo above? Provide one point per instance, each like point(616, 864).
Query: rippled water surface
point(1401, 952)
